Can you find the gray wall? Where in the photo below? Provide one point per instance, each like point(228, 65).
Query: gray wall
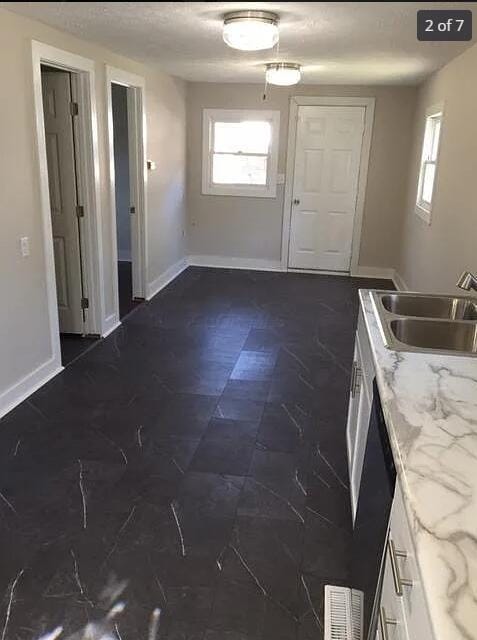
point(432, 256)
point(121, 170)
point(252, 227)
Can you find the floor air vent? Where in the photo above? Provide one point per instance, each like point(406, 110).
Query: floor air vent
point(343, 613)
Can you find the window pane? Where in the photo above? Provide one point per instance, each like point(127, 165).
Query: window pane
point(246, 137)
point(239, 169)
point(428, 182)
point(435, 139)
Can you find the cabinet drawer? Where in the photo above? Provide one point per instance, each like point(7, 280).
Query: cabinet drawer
point(406, 572)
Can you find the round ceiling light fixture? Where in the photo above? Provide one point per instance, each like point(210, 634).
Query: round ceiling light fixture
point(283, 74)
point(251, 30)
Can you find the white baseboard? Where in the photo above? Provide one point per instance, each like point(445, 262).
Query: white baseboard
point(399, 282)
point(110, 323)
point(385, 273)
point(27, 385)
point(164, 279)
point(382, 272)
point(223, 262)
point(320, 272)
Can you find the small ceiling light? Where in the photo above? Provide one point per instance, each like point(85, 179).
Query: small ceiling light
point(283, 74)
point(251, 30)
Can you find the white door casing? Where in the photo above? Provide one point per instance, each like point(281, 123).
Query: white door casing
point(60, 152)
point(325, 186)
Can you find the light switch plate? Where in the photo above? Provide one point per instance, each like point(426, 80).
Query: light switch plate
point(25, 246)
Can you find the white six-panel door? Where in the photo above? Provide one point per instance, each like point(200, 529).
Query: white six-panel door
point(60, 153)
point(327, 164)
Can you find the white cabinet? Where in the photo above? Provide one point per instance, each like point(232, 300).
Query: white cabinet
point(361, 394)
point(403, 606)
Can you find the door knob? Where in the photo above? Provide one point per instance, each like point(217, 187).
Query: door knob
point(296, 201)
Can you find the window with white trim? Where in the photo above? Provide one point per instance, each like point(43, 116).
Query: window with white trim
point(240, 152)
point(429, 159)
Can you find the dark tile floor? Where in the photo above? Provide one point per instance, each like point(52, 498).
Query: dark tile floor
point(193, 461)
point(72, 346)
point(126, 301)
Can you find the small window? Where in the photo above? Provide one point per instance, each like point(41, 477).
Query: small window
point(428, 168)
point(240, 152)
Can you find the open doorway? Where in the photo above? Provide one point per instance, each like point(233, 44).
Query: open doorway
point(125, 207)
point(128, 176)
point(60, 110)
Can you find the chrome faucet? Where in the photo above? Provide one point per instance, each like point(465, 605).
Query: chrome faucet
point(467, 281)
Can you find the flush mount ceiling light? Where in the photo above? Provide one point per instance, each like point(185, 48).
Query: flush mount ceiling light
point(283, 74)
point(251, 30)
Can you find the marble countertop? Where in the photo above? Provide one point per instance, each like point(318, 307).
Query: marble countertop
point(430, 406)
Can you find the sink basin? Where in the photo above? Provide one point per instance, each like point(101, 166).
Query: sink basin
point(419, 322)
point(430, 306)
point(436, 335)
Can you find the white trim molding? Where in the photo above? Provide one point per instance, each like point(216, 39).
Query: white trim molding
point(111, 323)
point(136, 86)
point(88, 169)
point(399, 282)
point(27, 385)
point(209, 117)
point(384, 273)
point(165, 278)
point(295, 103)
point(224, 262)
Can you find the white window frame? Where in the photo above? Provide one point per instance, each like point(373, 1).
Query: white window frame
point(210, 117)
point(423, 208)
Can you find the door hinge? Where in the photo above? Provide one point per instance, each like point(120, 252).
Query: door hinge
point(132, 209)
point(74, 109)
point(84, 303)
point(79, 211)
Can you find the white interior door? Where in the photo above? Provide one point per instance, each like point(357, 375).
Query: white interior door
point(60, 151)
point(327, 163)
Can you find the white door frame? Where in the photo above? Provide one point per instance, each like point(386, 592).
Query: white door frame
point(138, 176)
point(319, 101)
point(89, 187)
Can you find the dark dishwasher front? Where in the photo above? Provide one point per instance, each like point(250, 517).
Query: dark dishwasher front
point(370, 532)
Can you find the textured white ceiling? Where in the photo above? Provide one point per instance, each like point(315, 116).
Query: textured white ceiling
point(336, 42)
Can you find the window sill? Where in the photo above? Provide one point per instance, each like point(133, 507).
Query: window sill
point(423, 213)
point(243, 192)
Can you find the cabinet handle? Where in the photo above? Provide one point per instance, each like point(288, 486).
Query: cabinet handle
point(353, 374)
point(384, 622)
point(355, 379)
point(399, 582)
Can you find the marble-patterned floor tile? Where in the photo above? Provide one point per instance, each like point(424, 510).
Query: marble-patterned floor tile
point(226, 447)
point(193, 461)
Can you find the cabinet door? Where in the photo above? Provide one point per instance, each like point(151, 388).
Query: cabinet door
point(362, 424)
point(357, 428)
point(408, 584)
point(391, 623)
point(352, 412)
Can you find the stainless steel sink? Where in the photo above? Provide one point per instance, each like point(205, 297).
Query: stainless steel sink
point(440, 335)
point(427, 323)
point(430, 306)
